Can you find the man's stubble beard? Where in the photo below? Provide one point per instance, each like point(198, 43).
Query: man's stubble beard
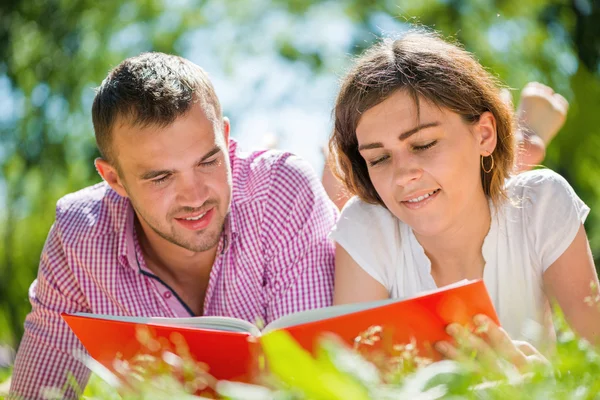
point(210, 240)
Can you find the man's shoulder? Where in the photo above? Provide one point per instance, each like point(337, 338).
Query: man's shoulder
point(266, 173)
point(94, 210)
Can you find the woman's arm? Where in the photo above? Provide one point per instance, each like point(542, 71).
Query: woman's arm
point(569, 281)
point(352, 283)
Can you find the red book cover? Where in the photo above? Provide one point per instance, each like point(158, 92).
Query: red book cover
point(422, 319)
point(228, 354)
point(233, 355)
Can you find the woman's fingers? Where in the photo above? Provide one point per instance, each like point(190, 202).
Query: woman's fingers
point(489, 349)
point(472, 347)
point(534, 357)
point(526, 348)
point(500, 341)
point(451, 352)
point(448, 350)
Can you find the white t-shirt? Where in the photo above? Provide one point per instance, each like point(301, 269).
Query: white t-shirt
point(527, 234)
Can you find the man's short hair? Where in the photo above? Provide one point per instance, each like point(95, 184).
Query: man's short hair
point(152, 89)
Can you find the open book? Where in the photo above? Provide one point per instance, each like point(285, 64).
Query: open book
point(229, 346)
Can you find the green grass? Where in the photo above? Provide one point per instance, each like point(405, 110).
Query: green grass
point(337, 372)
point(4, 375)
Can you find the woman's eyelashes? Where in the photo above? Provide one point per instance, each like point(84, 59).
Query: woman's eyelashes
point(425, 146)
point(377, 160)
point(415, 148)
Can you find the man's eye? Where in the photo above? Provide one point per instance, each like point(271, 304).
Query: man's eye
point(210, 163)
point(426, 146)
point(378, 160)
point(160, 180)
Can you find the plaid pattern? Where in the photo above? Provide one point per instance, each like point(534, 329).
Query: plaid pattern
point(274, 258)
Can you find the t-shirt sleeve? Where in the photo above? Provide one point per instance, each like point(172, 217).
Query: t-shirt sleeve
point(369, 233)
point(553, 213)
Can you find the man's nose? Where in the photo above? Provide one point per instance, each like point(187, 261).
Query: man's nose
point(193, 191)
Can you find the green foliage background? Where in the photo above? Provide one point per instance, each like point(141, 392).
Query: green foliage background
point(54, 52)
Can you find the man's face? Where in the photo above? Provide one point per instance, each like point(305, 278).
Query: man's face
point(178, 178)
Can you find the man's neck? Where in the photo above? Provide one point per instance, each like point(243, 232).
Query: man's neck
point(186, 272)
point(456, 253)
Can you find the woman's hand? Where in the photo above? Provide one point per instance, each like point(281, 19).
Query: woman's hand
point(490, 347)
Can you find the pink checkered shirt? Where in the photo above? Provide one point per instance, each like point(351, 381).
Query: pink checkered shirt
point(273, 258)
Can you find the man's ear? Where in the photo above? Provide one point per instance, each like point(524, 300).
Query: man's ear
point(226, 129)
point(487, 133)
point(110, 175)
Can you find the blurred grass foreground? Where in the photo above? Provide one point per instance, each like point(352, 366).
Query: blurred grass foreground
point(339, 373)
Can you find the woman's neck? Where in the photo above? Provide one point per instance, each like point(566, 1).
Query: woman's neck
point(455, 253)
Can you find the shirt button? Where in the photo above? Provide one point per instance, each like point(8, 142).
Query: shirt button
point(167, 295)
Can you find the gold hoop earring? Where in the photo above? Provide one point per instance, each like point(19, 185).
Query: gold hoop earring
point(487, 171)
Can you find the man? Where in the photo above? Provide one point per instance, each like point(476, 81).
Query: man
point(183, 224)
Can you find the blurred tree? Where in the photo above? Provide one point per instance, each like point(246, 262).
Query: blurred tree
point(53, 52)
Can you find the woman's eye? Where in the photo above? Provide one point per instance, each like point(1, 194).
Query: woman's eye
point(426, 146)
point(378, 160)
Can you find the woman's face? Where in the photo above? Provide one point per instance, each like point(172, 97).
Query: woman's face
point(427, 169)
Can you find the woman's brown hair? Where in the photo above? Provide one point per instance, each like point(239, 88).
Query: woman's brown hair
point(426, 67)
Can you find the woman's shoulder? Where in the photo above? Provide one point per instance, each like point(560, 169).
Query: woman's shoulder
point(545, 200)
point(361, 221)
point(550, 212)
point(370, 235)
point(539, 182)
point(359, 210)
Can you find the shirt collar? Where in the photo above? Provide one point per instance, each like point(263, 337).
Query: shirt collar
point(229, 232)
point(127, 237)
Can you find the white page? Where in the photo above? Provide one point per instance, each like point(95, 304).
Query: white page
point(228, 324)
point(319, 314)
point(215, 323)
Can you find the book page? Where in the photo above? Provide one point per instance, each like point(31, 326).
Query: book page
point(334, 311)
point(318, 314)
point(225, 324)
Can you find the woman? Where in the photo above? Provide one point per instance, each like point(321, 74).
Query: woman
point(540, 115)
point(425, 142)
